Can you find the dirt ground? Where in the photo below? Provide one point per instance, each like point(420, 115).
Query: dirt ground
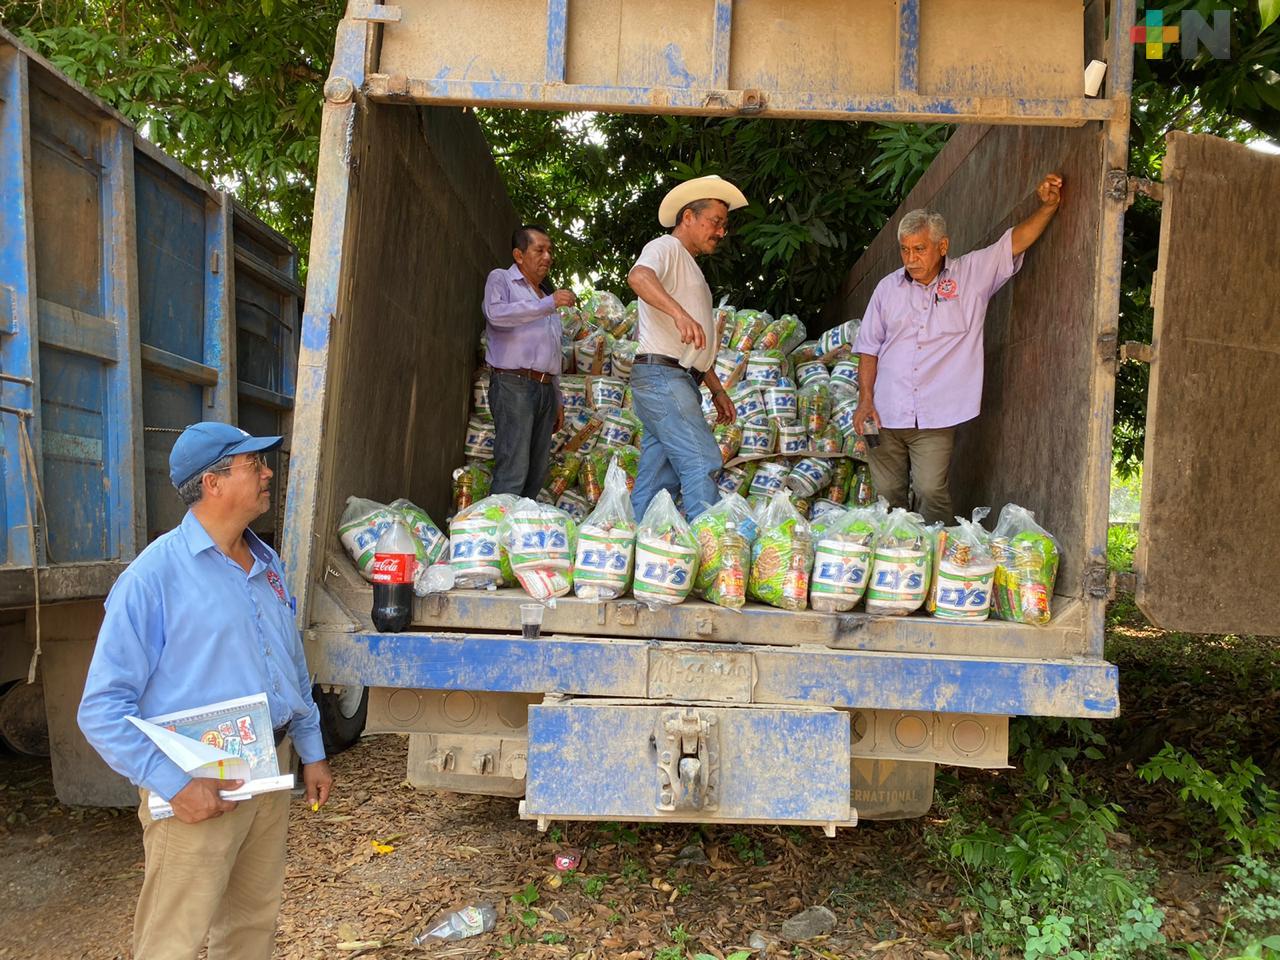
point(70, 876)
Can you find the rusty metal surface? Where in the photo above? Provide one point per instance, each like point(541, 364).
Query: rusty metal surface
point(1206, 552)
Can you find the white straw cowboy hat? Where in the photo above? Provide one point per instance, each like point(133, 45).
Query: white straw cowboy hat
point(700, 188)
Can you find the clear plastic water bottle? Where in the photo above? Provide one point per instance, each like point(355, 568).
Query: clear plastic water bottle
point(395, 561)
point(467, 922)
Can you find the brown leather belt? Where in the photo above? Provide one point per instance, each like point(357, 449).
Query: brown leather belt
point(537, 376)
point(661, 359)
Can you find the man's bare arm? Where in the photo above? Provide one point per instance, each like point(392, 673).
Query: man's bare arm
point(649, 288)
point(1028, 231)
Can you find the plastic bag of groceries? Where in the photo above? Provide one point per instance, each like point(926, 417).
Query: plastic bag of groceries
point(736, 479)
point(782, 557)
point(963, 571)
point(724, 555)
point(360, 526)
point(574, 504)
point(837, 343)
point(471, 482)
point(730, 367)
point(563, 473)
point(606, 542)
point(541, 542)
point(630, 316)
point(433, 544)
point(1027, 558)
point(764, 368)
point(784, 334)
point(842, 559)
point(591, 353)
point(728, 439)
point(900, 565)
point(618, 426)
point(604, 309)
point(723, 317)
point(475, 552)
point(595, 468)
point(810, 475)
point(749, 326)
point(666, 555)
point(624, 358)
point(578, 433)
point(813, 407)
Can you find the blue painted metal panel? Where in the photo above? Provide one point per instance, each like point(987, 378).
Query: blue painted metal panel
point(721, 34)
point(73, 406)
point(908, 46)
point(817, 677)
point(777, 765)
point(171, 261)
point(557, 33)
point(17, 305)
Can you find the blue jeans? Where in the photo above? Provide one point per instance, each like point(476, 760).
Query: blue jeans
point(524, 418)
point(679, 452)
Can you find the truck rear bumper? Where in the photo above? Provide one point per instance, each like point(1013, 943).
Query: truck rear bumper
point(717, 672)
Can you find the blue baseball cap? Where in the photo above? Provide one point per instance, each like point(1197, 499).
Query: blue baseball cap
point(202, 445)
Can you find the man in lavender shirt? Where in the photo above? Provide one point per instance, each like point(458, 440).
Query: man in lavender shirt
point(522, 325)
point(920, 350)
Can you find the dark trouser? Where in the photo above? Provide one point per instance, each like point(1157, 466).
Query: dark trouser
point(922, 458)
point(524, 418)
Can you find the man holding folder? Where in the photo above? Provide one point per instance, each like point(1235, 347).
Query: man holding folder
point(202, 616)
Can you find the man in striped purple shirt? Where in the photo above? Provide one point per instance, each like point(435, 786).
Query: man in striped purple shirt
point(920, 350)
point(522, 326)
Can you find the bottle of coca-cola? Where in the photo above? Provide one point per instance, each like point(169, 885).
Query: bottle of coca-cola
point(394, 564)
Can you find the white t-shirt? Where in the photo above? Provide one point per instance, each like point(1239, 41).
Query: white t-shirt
point(680, 277)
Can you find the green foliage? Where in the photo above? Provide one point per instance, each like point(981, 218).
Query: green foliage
point(1245, 806)
point(1047, 747)
point(554, 938)
point(819, 191)
point(1252, 895)
point(749, 850)
point(524, 901)
point(621, 835)
point(593, 886)
point(232, 89)
point(1122, 540)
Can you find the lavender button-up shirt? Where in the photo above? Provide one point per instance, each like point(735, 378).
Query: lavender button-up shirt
point(928, 338)
point(522, 325)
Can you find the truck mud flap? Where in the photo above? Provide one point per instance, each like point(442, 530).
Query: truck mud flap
point(891, 789)
point(612, 761)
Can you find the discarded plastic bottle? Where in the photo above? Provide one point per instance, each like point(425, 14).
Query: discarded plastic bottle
point(467, 922)
point(394, 565)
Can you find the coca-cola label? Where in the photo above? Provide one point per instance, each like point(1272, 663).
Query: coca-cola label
point(392, 568)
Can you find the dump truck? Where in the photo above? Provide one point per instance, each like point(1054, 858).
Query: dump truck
point(135, 299)
point(795, 717)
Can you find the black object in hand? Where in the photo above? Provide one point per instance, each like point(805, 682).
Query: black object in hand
point(871, 433)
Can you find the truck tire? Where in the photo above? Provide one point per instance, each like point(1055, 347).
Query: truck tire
point(342, 716)
point(22, 719)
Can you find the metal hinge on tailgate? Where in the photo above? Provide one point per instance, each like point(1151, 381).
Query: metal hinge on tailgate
point(688, 760)
point(1123, 188)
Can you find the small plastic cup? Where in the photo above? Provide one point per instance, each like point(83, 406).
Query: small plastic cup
point(531, 620)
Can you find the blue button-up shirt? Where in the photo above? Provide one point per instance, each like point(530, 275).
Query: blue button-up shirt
point(523, 325)
point(185, 626)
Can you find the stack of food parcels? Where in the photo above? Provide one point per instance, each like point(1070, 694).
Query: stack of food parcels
point(798, 524)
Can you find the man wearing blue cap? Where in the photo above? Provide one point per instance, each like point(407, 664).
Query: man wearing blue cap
point(202, 615)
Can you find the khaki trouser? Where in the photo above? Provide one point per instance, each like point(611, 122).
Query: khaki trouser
point(222, 878)
point(920, 458)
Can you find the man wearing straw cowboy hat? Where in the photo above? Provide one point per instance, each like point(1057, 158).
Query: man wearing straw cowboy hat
point(677, 347)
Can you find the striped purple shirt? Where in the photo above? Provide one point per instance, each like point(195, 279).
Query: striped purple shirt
point(927, 338)
point(522, 325)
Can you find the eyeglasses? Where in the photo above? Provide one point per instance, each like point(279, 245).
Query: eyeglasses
point(718, 223)
point(255, 460)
